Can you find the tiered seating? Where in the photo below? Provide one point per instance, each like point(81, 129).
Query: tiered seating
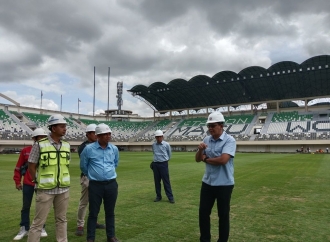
point(292, 136)
point(159, 126)
point(299, 127)
point(321, 125)
point(275, 128)
point(283, 126)
point(40, 120)
point(236, 128)
point(9, 125)
point(242, 119)
point(186, 137)
point(74, 132)
point(189, 126)
point(123, 131)
point(197, 126)
point(149, 135)
point(193, 122)
point(288, 123)
point(291, 116)
point(323, 135)
point(15, 135)
point(241, 137)
point(88, 121)
point(189, 130)
point(237, 125)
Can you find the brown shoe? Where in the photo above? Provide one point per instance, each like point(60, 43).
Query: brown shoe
point(80, 231)
point(113, 239)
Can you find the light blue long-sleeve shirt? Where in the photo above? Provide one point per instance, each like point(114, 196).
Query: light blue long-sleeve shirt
point(162, 151)
point(99, 164)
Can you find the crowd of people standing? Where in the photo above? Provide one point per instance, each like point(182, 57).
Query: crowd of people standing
point(45, 168)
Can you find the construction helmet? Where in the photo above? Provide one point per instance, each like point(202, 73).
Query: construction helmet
point(90, 128)
point(56, 119)
point(215, 117)
point(39, 132)
point(102, 129)
point(159, 133)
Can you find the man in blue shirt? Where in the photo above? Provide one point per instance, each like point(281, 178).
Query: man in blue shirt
point(162, 154)
point(217, 152)
point(99, 161)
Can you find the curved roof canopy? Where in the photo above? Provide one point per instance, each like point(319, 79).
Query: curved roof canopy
point(285, 80)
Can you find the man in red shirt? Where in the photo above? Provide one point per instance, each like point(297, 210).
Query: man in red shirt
point(27, 188)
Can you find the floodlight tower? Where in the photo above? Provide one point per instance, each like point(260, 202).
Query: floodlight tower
point(119, 95)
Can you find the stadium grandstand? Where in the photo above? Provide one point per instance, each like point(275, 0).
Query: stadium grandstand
point(266, 110)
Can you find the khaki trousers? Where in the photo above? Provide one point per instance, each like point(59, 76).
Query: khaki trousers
point(44, 202)
point(82, 208)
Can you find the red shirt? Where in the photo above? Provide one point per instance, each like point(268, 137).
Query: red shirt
point(23, 158)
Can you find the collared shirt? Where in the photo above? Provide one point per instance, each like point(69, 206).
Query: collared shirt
point(162, 151)
point(34, 158)
point(82, 146)
point(99, 164)
point(220, 175)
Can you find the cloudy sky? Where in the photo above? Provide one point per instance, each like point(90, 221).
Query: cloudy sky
point(53, 46)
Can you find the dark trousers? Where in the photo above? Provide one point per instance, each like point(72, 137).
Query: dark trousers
point(27, 200)
point(161, 173)
point(208, 196)
point(108, 192)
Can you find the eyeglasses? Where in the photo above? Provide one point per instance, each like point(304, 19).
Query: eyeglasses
point(211, 125)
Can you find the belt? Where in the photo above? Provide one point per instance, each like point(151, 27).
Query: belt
point(103, 182)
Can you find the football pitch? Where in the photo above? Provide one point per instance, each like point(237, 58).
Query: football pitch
point(277, 197)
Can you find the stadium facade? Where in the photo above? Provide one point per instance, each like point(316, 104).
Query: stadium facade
point(261, 107)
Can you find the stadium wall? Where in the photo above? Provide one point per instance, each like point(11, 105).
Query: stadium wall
point(242, 146)
point(280, 146)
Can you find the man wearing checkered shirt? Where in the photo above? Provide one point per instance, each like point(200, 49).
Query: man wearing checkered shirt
point(49, 165)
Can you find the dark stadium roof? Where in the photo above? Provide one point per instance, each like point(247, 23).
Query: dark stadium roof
point(284, 80)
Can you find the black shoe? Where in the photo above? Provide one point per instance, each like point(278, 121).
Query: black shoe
point(157, 199)
point(100, 226)
point(172, 201)
point(114, 239)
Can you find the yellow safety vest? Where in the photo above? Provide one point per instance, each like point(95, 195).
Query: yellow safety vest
point(53, 168)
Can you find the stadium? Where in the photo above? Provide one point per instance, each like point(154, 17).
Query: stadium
point(266, 110)
point(280, 194)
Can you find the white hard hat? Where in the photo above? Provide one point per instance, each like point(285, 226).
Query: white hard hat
point(90, 128)
point(215, 117)
point(159, 133)
point(56, 119)
point(39, 132)
point(102, 129)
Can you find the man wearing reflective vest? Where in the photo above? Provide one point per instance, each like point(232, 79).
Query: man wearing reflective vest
point(49, 165)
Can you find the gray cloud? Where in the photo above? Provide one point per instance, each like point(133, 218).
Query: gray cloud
point(147, 41)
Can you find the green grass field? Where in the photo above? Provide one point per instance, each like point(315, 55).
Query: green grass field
point(277, 197)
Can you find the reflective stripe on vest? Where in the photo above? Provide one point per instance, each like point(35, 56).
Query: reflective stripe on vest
point(53, 167)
